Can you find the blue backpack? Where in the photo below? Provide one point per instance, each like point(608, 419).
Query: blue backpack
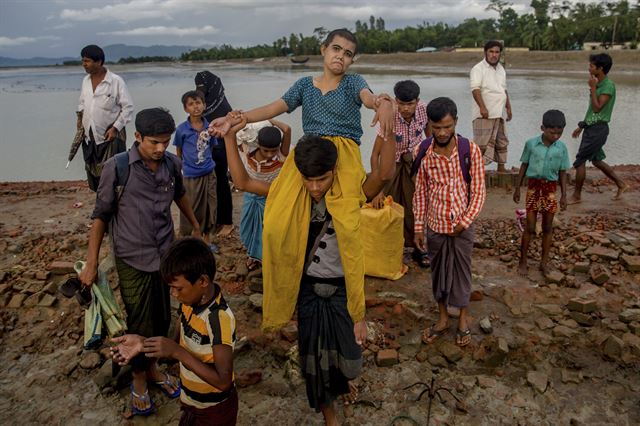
point(464, 154)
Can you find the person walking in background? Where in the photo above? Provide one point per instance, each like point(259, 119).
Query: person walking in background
point(104, 109)
point(602, 98)
point(488, 81)
point(218, 106)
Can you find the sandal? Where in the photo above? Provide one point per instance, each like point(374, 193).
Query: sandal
point(421, 258)
point(463, 337)
point(145, 399)
point(166, 384)
point(431, 334)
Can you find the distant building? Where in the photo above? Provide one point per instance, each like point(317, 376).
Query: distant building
point(595, 45)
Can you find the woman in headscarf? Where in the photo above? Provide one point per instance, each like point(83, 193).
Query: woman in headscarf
point(218, 106)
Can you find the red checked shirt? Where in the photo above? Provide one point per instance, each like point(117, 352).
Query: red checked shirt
point(440, 197)
point(409, 135)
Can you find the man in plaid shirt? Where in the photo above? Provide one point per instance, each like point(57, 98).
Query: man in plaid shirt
point(448, 206)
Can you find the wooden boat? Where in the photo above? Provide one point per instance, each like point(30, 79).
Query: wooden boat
point(299, 60)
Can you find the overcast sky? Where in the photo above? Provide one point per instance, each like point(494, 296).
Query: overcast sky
point(54, 28)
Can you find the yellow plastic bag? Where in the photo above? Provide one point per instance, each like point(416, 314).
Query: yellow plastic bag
point(381, 231)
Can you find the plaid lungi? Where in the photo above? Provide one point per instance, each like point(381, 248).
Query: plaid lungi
point(490, 136)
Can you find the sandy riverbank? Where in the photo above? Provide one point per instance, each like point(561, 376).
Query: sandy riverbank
point(542, 364)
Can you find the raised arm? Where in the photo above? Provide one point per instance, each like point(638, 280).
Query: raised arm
point(385, 170)
point(286, 135)
point(384, 107)
point(241, 178)
point(266, 112)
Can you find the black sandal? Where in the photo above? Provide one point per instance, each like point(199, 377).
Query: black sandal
point(421, 258)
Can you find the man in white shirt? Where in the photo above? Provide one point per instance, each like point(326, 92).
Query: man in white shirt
point(104, 109)
point(489, 89)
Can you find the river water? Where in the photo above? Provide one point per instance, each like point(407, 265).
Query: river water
point(37, 109)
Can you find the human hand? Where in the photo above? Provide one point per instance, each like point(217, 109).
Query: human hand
point(128, 346)
point(195, 232)
point(360, 331)
point(219, 127)
point(457, 230)
point(593, 82)
point(509, 113)
point(378, 201)
point(88, 274)
point(563, 202)
point(576, 132)
point(484, 112)
point(239, 123)
point(420, 242)
point(110, 134)
point(516, 195)
point(385, 115)
point(160, 347)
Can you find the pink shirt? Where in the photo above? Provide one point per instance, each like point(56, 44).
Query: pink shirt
point(409, 135)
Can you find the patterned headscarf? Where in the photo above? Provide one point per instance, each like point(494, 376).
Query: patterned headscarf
point(211, 86)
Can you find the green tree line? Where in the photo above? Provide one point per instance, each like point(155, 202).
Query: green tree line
point(551, 25)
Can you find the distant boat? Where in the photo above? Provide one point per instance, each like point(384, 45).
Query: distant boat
point(299, 60)
point(427, 49)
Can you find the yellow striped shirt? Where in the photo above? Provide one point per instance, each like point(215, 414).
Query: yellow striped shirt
point(201, 328)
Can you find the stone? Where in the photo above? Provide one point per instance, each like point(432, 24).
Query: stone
point(3, 276)
point(241, 270)
point(476, 296)
point(563, 331)
point(633, 342)
point(485, 325)
point(612, 347)
point(581, 267)
point(616, 239)
point(629, 315)
point(486, 382)
point(544, 323)
point(4, 301)
point(538, 381)
point(255, 284)
point(632, 263)
point(90, 360)
point(582, 319)
point(289, 332)
point(571, 323)
point(495, 352)
point(32, 300)
point(599, 274)
point(60, 267)
point(630, 250)
point(51, 288)
point(387, 357)
point(550, 309)
point(256, 301)
point(422, 356)
point(555, 277)
point(438, 361)
point(451, 352)
point(506, 258)
point(584, 306)
point(568, 376)
point(245, 378)
point(102, 378)
point(17, 300)
point(42, 275)
point(603, 252)
point(634, 327)
point(47, 300)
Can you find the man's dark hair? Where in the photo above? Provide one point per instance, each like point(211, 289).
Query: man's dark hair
point(439, 108)
point(554, 119)
point(269, 137)
point(315, 156)
point(492, 43)
point(154, 121)
point(93, 52)
point(192, 94)
point(601, 60)
point(406, 90)
point(189, 257)
point(344, 33)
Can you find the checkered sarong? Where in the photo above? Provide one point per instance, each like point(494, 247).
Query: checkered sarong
point(489, 134)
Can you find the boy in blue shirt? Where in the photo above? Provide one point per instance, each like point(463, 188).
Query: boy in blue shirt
point(545, 161)
point(193, 146)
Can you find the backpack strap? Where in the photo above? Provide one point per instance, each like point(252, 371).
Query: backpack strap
point(464, 154)
point(122, 172)
point(422, 151)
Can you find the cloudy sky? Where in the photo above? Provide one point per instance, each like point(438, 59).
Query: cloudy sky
point(54, 28)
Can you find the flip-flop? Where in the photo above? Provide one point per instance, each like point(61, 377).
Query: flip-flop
point(431, 334)
point(144, 398)
point(461, 336)
point(421, 258)
point(167, 383)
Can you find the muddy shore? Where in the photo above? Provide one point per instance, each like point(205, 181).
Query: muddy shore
point(562, 350)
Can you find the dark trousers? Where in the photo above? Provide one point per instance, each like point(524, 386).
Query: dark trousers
point(225, 203)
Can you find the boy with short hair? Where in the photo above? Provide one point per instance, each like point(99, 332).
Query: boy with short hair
point(602, 98)
point(207, 336)
point(193, 146)
point(545, 161)
point(411, 126)
point(263, 163)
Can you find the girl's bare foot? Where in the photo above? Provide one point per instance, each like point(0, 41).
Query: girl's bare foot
point(621, 190)
point(574, 199)
point(225, 230)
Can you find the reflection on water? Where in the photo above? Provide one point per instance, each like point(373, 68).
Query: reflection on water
point(37, 109)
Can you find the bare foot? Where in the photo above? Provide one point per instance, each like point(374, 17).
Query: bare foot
point(523, 269)
point(621, 190)
point(574, 199)
point(225, 230)
point(352, 396)
point(501, 168)
point(544, 268)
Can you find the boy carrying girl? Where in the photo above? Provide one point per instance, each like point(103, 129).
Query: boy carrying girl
point(205, 344)
point(193, 146)
point(545, 161)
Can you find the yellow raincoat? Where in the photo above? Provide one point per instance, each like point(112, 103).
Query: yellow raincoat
point(286, 228)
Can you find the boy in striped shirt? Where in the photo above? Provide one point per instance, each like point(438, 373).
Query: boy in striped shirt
point(207, 336)
point(448, 206)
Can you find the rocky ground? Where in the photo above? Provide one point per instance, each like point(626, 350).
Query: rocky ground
point(558, 350)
